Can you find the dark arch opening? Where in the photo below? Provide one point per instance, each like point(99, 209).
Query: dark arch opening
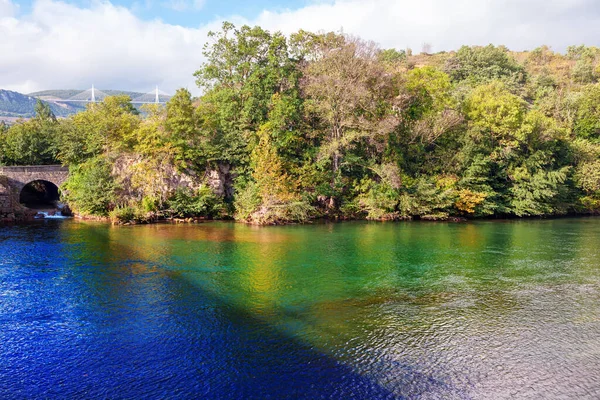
point(40, 195)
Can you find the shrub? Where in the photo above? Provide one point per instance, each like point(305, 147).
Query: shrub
point(379, 201)
point(150, 204)
point(90, 188)
point(250, 207)
point(127, 214)
point(247, 201)
point(468, 201)
point(185, 203)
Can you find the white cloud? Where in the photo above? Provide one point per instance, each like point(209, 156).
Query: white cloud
point(59, 45)
point(519, 24)
point(184, 5)
point(7, 9)
point(63, 46)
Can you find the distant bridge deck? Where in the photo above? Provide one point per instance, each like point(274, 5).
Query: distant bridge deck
point(99, 101)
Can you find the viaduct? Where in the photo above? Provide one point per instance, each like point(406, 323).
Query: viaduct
point(19, 185)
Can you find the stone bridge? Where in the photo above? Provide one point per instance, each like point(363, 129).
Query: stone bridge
point(19, 184)
point(18, 177)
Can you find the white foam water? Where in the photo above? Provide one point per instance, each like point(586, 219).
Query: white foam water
point(48, 215)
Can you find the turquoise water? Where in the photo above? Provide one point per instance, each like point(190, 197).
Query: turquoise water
point(484, 310)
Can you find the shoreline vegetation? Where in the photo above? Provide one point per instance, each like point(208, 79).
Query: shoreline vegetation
point(330, 126)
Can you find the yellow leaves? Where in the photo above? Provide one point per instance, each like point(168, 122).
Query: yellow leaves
point(537, 127)
point(494, 109)
point(446, 182)
point(469, 200)
point(269, 173)
point(588, 176)
point(428, 81)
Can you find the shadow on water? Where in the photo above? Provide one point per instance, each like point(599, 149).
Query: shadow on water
point(91, 318)
point(359, 310)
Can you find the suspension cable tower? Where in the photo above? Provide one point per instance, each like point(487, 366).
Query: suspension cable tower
point(93, 94)
point(156, 99)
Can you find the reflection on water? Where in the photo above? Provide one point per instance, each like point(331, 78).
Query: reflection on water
point(356, 310)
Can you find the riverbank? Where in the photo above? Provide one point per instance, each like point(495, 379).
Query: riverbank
point(31, 216)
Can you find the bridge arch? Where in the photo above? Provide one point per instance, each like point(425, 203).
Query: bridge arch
point(42, 181)
point(39, 194)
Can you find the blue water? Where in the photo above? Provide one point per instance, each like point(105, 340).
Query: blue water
point(365, 311)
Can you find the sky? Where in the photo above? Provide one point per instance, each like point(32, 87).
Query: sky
point(138, 44)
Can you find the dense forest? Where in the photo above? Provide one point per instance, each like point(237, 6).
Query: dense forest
point(329, 125)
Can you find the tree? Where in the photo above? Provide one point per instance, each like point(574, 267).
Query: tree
point(91, 188)
point(180, 124)
point(583, 72)
point(484, 64)
point(587, 117)
point(495, 111)
point(352, 95)
point(271, 196)
point(391, 56)
point(25, 143)
point(103, 128)
point(244, 68)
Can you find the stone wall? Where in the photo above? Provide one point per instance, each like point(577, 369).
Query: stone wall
point(12, 181)
point(10, 209)
point(6, 206)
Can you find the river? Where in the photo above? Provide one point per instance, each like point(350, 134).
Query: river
point(481, 310)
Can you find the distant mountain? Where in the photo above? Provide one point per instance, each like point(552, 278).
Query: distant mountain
point(17, 105)
point(64, 94)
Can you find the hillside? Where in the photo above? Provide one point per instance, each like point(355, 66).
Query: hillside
point(17, 105)
point(14, 105)
point(64, 94)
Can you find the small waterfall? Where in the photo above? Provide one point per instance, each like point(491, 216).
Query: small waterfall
point(50, 215)
point(54, 214)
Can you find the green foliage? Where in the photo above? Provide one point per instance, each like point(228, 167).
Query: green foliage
point(537, 188)
point(129, 214)
point(91, 189)
point(250, 207)
point(24, 144)
point(483, 64)
point(180, 122)
point(245, 67)
point(587, 117)
point(106, 127)
point(587, 178)
point(325, 124)
point(351, 97)
point(583, 72)
point(247, 201)
point(430, 89)
point(270, 197)
point(582, 52)
point(31, 142)
point(392, 56)
point(492, 109)
point(185, 203)
point(426, 198)
point(150, 204)
point(378, 200)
